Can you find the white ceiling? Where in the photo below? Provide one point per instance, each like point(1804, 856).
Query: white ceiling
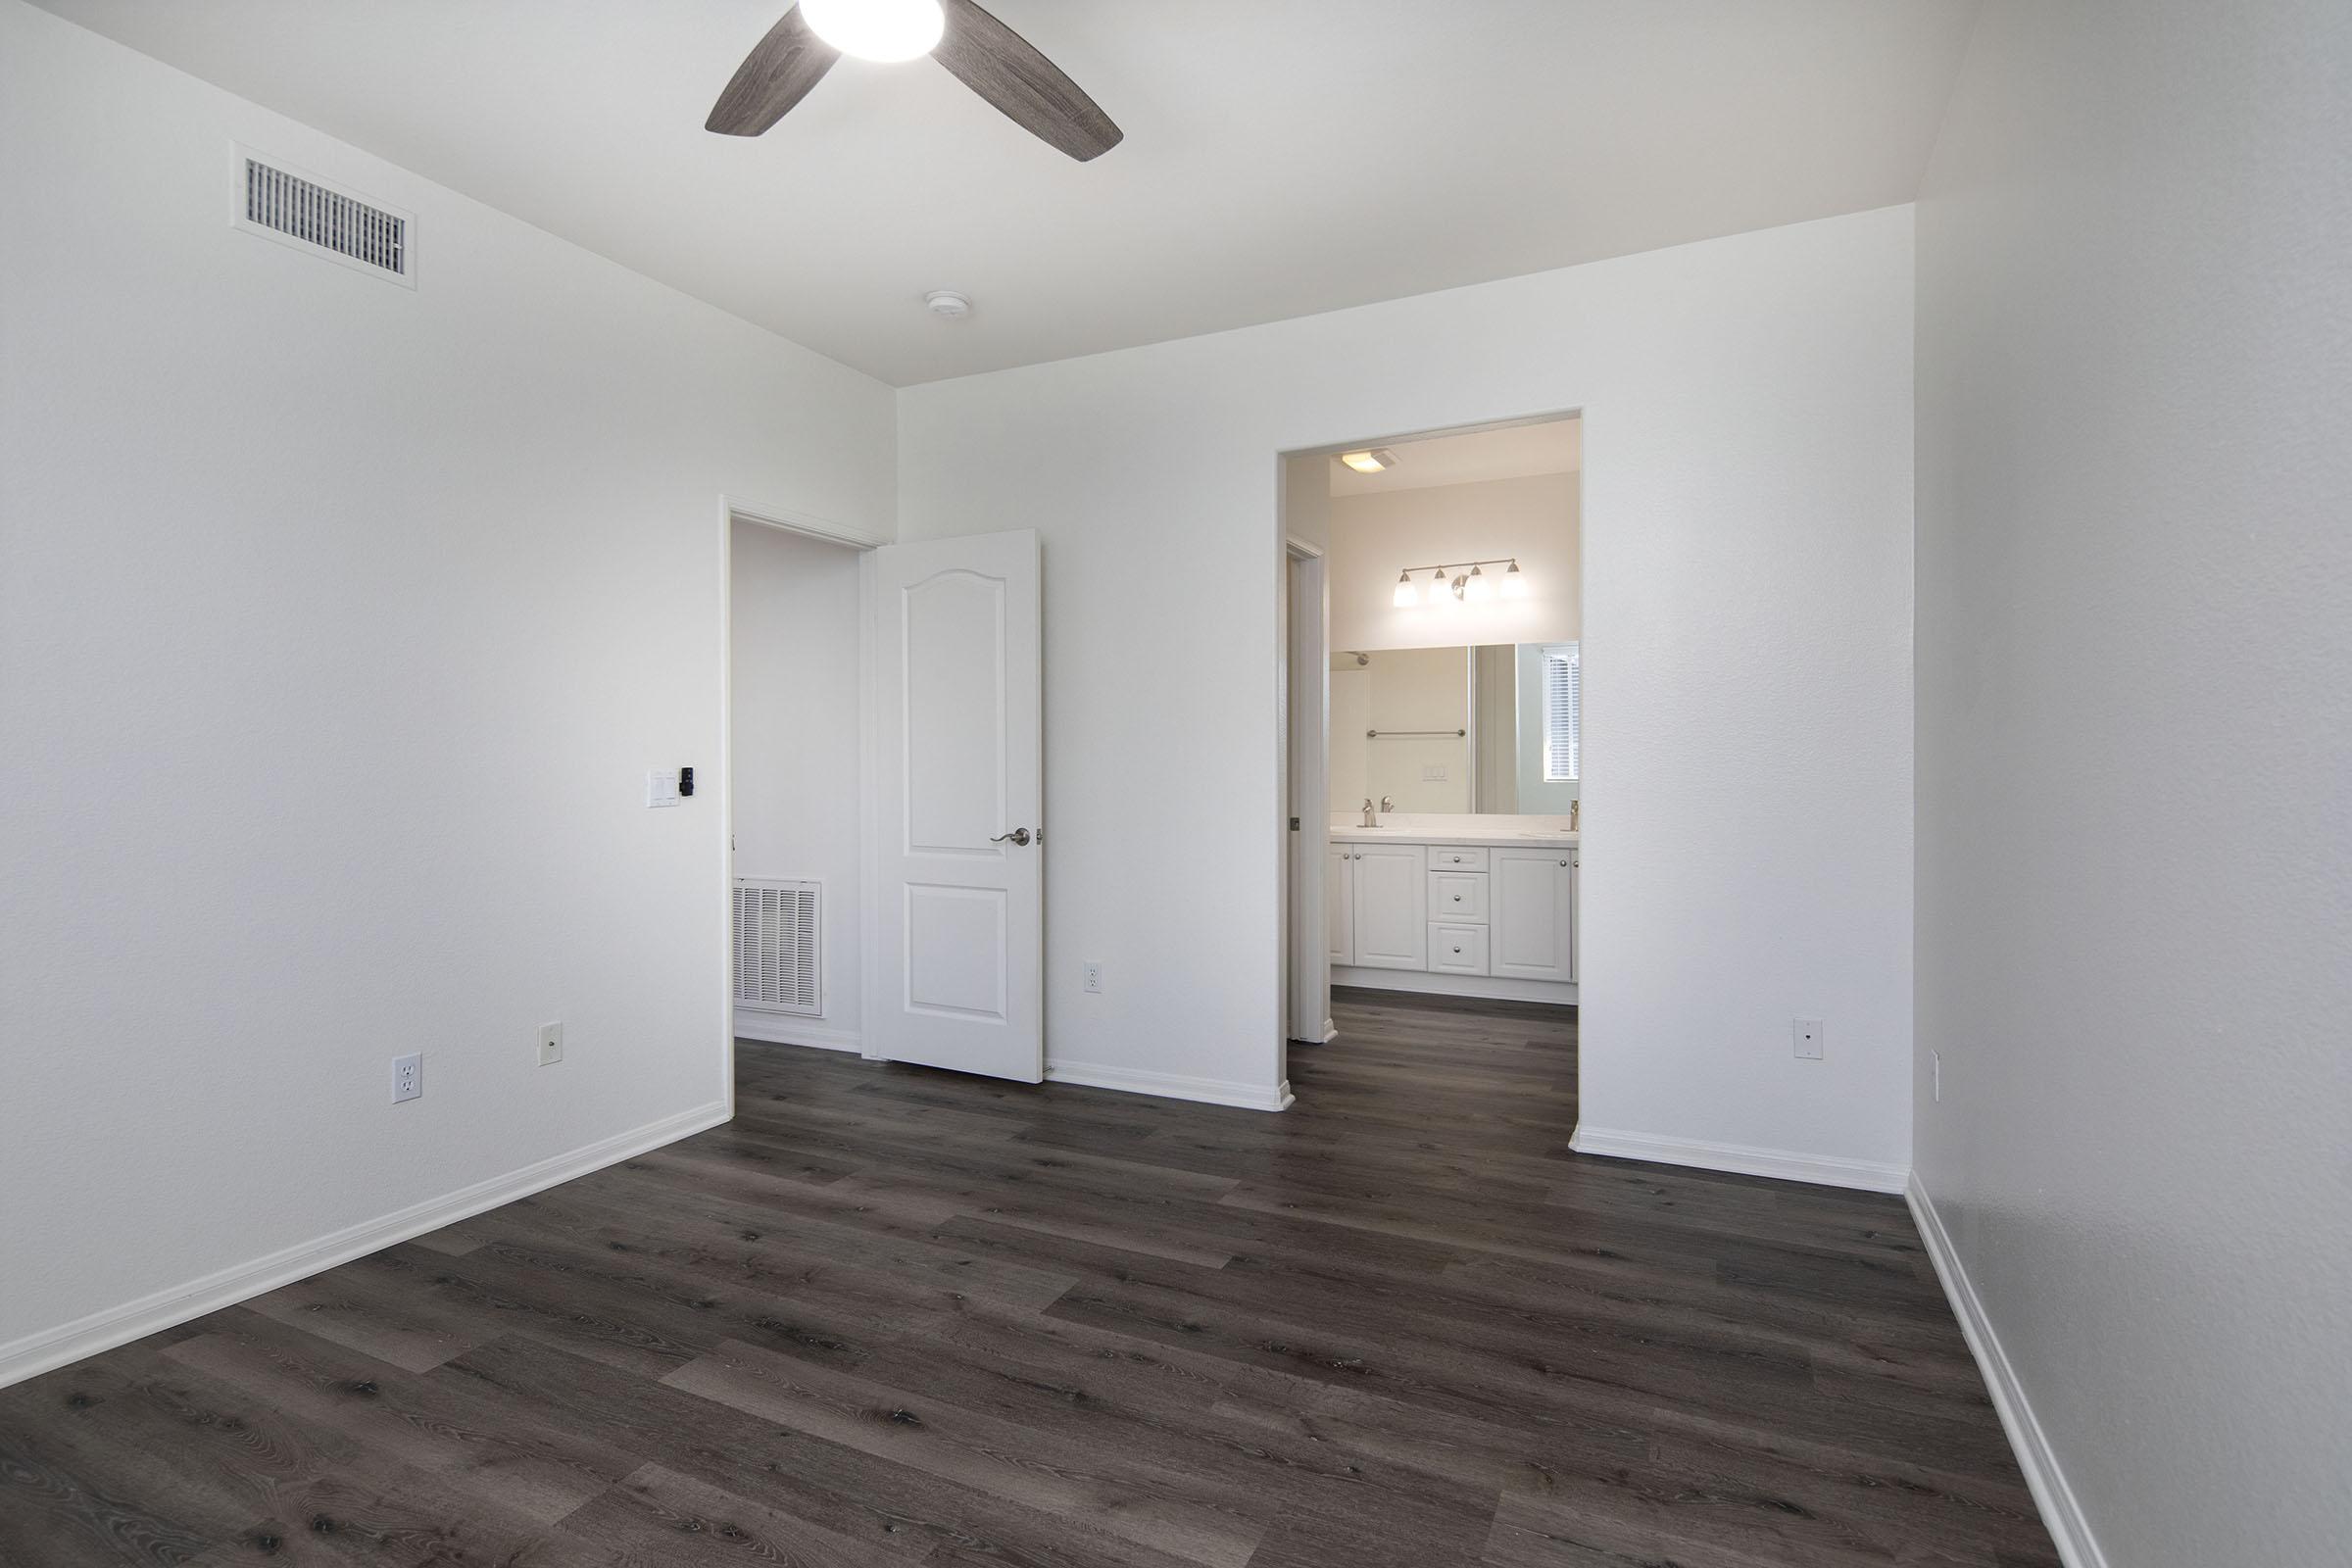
point(1511, 452)
point(1283, 157)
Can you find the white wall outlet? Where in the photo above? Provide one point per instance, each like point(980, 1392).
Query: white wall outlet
point(662, 788)
point(1808, 1039)
point(550, 1044)
point(1094, 977)
point(408, 1077)
point(1936, 1076)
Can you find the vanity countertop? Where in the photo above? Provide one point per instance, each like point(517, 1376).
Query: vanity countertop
point(1502, 838)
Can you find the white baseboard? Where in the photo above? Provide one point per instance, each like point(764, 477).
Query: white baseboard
point(783, 1029)
point(1828, 1170)
point(2060, 1511)
point(1484, 986)
point(50, 1348)
point(1170, 1086)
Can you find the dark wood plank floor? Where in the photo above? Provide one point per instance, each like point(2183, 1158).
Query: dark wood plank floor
point(891, 1316)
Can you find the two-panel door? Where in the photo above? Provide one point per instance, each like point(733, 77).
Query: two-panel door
point(1391, 921)
point(959, 923)
point(1532, 894)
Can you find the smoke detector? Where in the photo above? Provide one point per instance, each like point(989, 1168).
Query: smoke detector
point(948, 305)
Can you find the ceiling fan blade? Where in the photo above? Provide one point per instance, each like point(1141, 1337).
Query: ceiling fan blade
point(1002, 67)
point(776, 75)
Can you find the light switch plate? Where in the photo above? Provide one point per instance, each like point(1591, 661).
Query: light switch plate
point(662, 788)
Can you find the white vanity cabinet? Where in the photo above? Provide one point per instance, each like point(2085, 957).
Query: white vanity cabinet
point(1534, 913)
point(1390, 925)
point(1490, 919)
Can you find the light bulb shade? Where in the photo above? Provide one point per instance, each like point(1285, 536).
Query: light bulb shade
point(1514, 582)
point(877, 30)
point(1477, 589)
point(1407, 595)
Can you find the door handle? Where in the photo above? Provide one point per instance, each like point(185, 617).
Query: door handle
point(1020, 836)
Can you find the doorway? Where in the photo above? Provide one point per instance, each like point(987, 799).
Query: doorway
point(794, 782)
point(1443, 714)
point(883, 772)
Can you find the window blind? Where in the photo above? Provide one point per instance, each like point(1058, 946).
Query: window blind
point(1563, 694)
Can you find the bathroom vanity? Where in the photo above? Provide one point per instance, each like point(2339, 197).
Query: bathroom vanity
point(1456, 905)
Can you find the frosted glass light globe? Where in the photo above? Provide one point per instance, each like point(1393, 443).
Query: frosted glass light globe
point(877, 30)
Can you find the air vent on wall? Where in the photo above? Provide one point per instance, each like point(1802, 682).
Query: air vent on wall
point(775, 947)
point(300, 210)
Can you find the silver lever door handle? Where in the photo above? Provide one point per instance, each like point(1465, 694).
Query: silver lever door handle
point(1020, 836)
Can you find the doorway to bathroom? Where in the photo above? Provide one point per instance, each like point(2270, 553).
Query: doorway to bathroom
point(1435, 748)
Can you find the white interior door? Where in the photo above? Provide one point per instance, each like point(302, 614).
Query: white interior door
point(958, 854)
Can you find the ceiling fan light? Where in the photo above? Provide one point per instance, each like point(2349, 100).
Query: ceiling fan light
point(1407, 595)
point(877, 30)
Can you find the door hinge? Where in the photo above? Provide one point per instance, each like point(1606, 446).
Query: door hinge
point(1294, 824)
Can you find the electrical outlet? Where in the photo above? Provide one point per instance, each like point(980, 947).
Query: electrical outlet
point(550, 1044)
point(408, 1077)
point(1808, 1039)
point(1936, 1076)
point(1094, 977)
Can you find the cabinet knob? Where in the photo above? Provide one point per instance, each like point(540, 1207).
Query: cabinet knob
point(1457, 949)
point(1564, 862)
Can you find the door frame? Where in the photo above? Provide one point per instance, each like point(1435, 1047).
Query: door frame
point(1302, 646)
point(731, 510)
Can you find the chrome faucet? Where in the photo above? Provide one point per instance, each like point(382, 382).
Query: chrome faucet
point(1368, 823)
point(1575, 809)
point(1387, 804)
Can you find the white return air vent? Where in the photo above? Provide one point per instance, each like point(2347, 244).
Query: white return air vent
point(775, 947)
point(303, 211)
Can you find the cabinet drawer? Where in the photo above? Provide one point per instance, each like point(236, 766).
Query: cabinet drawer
point(1450, 858)
point(1458, 896)
point(1458, 948)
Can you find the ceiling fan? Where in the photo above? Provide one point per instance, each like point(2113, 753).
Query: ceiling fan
point(981, 53)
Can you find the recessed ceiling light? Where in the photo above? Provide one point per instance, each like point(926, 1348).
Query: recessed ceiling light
point(877, 30)
point(947, 303)
point(1372, 462)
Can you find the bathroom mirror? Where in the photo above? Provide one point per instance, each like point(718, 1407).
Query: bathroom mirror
point(1493, 729)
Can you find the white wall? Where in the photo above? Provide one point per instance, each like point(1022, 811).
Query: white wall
point(1747, 617)
point(2135, 754)
point(1374, 536)
point(340, 625)
point(796, 746)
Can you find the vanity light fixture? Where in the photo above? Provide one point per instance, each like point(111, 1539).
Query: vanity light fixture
point(1462, 580)
point(1377, 460)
